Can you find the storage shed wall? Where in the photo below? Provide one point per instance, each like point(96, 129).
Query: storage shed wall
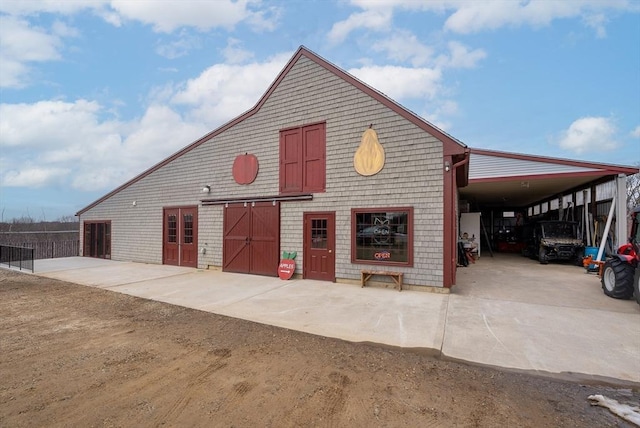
point(307, 94)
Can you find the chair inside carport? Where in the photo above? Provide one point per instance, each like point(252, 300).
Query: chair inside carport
point(465, 255)
point(467, 250)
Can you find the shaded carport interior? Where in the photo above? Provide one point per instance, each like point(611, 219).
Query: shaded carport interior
point(502, 182)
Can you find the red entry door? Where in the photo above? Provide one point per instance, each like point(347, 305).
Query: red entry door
point(252, 238)
point(319, 246)
point(180, 237)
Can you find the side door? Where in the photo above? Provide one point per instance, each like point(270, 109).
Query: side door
point(319, 246)
point(180, 232)
point(189, 237)
point(170, 247)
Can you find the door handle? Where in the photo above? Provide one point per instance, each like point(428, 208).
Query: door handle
point(330, 251)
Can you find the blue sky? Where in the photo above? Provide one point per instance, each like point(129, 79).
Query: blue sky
point(92, 93)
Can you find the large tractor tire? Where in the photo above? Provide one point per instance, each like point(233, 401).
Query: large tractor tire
point(636, 284)
point(617, 279)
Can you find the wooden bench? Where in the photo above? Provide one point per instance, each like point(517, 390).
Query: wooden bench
point(367, 274)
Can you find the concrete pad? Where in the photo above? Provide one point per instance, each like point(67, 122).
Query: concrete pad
point(506, 311)
point(107, 273)
point(542, 338)
point(43, 266)
point(514, 278)
point(553, 318)
point(407, 319)
point(201, 289)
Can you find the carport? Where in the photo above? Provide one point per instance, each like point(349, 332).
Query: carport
point(506, 190)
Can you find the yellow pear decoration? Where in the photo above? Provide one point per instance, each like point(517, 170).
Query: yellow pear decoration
point(369, 158)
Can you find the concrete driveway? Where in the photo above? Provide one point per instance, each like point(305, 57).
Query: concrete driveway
point(506, 311)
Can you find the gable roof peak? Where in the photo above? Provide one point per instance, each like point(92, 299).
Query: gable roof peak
point(451, 146)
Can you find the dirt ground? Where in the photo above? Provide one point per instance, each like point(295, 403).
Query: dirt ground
point(74, 355)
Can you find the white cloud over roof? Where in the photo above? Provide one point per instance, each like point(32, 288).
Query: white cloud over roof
point(589, 134)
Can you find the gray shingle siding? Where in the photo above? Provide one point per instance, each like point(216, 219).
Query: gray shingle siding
point(412, 176)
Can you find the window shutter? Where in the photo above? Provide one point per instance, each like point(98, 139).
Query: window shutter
point(291, 161)
point(314, 148)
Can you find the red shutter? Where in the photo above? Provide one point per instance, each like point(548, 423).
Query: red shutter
point(314, 155)
point(290, 161)
point(303, 159)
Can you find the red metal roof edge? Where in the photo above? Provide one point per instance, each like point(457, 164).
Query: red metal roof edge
point(451, 145)
point(621, 169)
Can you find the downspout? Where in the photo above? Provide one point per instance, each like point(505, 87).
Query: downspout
point(463, 161)
point(452, 239)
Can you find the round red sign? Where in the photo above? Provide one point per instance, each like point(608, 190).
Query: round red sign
point(245, 168)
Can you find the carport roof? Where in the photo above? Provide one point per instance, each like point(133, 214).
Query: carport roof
point(502, 179)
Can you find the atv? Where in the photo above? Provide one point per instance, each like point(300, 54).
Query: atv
point(555, 240)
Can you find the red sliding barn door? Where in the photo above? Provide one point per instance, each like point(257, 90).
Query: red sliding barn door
point(252, 238)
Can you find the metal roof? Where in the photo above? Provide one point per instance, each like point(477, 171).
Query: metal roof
point(499, 179)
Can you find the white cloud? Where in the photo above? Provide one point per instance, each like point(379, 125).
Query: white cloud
point(64, 7)
point(374, 19)
point(202, 15)
point(234, 53)
point(61, 29)
point(33, 177)
point(12, 73)
point(401, 82)
point(468, 17)
point(223, 91)
point(597, 21)
point(636, 132)
point(164, 17)
point(419, 82)
point(589, 134)
point(179, 47)
point(265, 19)
point(80, 144)
point(21, 44)
point(48, 123)
point(404, 46)
point(460, 56)
point(76, 146)
point(438, 110)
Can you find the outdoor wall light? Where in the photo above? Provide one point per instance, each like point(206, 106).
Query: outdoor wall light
point(447, 166)
point(206, 188)
point(134, 203)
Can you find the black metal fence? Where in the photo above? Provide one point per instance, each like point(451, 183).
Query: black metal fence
point(19, 257)
point(48, 249)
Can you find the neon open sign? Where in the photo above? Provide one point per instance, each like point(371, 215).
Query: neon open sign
point(382, 255)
